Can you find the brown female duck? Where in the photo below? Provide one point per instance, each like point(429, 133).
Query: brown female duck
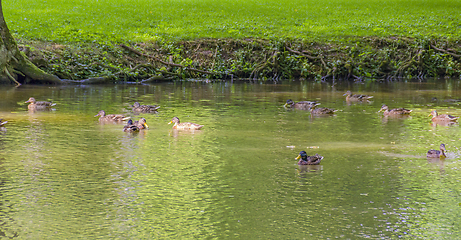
point(442, 117)
point(141, 123)
point(395, 111)
point(322, 111)
point(436, 153)
point(185, 125)
point(111, 117)
point(41, 105)
point(130, 127)
point(308, 160)
point(304, 105)
point(356, 97)
point(144, 108)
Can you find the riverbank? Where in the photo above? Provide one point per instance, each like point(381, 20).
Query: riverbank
point(353, 59)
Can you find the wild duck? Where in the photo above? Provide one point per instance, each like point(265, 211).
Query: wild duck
point(141, 123)
point(130, 127)
point(442, 117)
point(185, 125)
point(144, 108)
point(356, 97)
point(322, 111)
point(111, 117)
point(308, 160)
point(303, 105)
point(40, 105)
point(395, 111)
point(436, 153)
point(2, 128)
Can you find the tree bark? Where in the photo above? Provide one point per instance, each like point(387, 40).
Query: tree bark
point(14, 65)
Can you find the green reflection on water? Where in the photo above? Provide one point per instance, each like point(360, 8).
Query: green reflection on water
point(64, 175)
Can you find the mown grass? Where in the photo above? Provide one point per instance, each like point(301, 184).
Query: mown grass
point(171, 20)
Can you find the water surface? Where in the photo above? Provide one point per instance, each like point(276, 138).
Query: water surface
point(65, 176)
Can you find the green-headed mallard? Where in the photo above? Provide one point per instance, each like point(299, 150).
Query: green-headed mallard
point(356, 97)
point(111, 117)
point(395, 111)
point(442, 117)
point(185, 125)
point(130, 127)
point(141, 123)
point(436, 153)
point(304, 105)
point(144, 108)
point(322, 111)
point(34, 105)
point(308, 160)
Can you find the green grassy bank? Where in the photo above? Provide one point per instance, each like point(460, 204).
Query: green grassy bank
point(262, 39)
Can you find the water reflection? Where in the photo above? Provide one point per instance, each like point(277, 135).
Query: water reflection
point(64, 175)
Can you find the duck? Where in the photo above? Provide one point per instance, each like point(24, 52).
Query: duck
point(442, 117)
point(111, 117)
point(2, 128)
point(436, 153)
point(356, 97)
point(395, 111)
point(303, 105)
point(144, 108)
point(130, 127)
point(141, 123)
point(308, 160)
point(34, 105)
point(185, 125)
point(320, 111)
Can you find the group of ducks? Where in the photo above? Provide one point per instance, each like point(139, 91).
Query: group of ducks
point(311, 106)
point(131, 126)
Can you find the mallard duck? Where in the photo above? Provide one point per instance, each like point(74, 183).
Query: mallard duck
point(141, 123)
point(111, 117)
point(442, 117)
point(34, 105)
point(2, 128)
point(304, 105)
point(436, 153)
point(130, 127)
point(308, 160)
point(185, 125)
point(320, 111)
point(395, 111)
point(144, 108)
point(356, 97)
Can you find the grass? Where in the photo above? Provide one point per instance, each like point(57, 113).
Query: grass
point(171, 20)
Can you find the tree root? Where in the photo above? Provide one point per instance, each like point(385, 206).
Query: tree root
point(445, 51)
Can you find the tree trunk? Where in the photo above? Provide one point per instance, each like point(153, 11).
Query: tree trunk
point(14, 65)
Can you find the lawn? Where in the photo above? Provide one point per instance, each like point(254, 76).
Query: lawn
point(143, 20)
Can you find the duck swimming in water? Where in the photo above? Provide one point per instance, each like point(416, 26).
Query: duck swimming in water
point(436, 153)
point(130, 127)
point(110, 117)
point(304, 105)
point(40, 105)
point(308, 160)
point(185, 125)
point(144, 108)
point(395, 111)
point(356, 97)
point(322, 111)
point(442, 117)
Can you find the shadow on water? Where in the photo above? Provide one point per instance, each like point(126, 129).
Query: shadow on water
point(64, 175)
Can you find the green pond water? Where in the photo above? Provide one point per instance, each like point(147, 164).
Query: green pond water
point(65, 176)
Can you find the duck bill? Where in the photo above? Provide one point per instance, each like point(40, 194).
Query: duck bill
point(380, 110)
point(96, 115)
point(298, 157)
point(286, 104)
point(170, 122)
point(145, 125)
point(28, 101)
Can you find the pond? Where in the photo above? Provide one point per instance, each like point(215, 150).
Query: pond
point(66, 176)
